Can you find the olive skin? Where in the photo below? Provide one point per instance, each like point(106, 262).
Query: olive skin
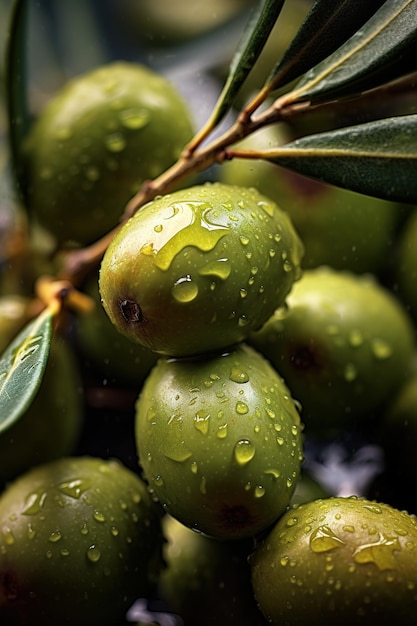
point(338, 561)
point(96, 141)
point(219, 442)
point(207, 581)
point(196, 270)
point(80, 540)
point(344, 346)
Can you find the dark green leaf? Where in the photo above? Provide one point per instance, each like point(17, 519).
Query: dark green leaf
point(250, 46)
point(16, 85)
point(327, 26)
point(22, 366)
point(378, 158)
point(382, 50)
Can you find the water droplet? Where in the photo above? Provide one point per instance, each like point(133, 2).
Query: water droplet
point(158, 228)
point(380, 552)
point(194, 224)
point(284, 560)
point(84, 529)
point(64, 552)
point(280, 441)
point(201, 421)
point(194, 467)
point(93, 554)
point(8, 536)
point(355, 338)
point(185, 289)
point(243, 293)
point(55, 536)
point(381, 349)
point(134, 119)
point(158, 481)
point(272, 472)
point(243, 320)
point(287, 266)
point(244, 240)
point(244, 451)
point(203, 485)
point(237, 375)
point(92, 173)
point(323, 540)
point(350, 372)
point(99, 517)
point(241, 408)
point(259, 491)
point(222, 432)
point(31, 532)
point(114, 531)
point(35, 502)
point(115, 142)
point(73, 488)
point(147, 249)
point(179, 455)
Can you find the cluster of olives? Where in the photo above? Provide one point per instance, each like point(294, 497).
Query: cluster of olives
point(243, 330)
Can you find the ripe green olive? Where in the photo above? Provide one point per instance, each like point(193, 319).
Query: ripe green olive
point(196, 270)
point(94, 144)
point(338, 561)
point(219, 441)
point(344, 346)
point(80, 540)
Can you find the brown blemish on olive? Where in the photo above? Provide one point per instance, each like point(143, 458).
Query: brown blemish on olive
point(307, 358)
point(131, 311)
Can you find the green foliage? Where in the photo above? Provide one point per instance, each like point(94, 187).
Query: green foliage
point(22, 366)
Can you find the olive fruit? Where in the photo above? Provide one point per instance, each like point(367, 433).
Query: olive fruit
point(52, 425)
point(338, 227)
point(196, 270)
point(206, 581)
point(344, 345)
point(80, 540)
point(338, 561)
point(110, 353)
point(96, 141)
point(219, 441)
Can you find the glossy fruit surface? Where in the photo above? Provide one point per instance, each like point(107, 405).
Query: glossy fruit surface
point(338, 561)
point(343, 346)
point(338, 227)
point(79, 541)
point(96, 142)
point(111, 353)
point(207, 581)
point(219, 440)
point(196, 270)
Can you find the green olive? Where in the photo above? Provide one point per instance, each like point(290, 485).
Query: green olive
point(344, 346)
point(196, 270)
point(338, 561)
point(219, 441)
point(94, 144)
point(80, 540)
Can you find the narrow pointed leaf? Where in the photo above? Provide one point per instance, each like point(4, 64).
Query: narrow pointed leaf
point(326, 27)
point(382, 50)
point(377, 158)
point(16, 85)
point(251, 44)
point(22, 366)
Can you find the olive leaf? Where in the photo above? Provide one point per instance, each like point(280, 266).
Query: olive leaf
point(377, 158)
point(248, 50)
point(16, 86)
point(381, 51)
point(326, 27)
point(22, 366)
